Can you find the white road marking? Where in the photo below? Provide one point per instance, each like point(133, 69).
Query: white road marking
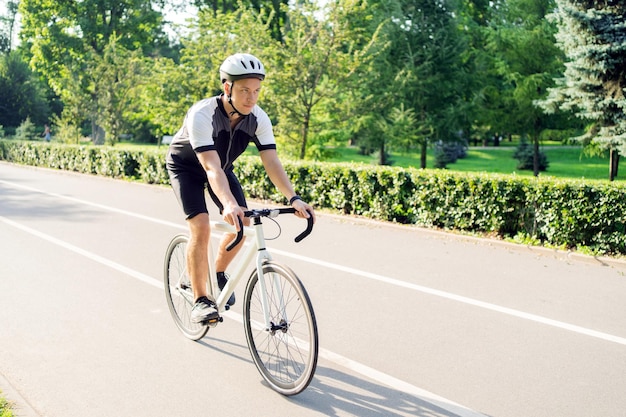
point(461, 299)
point(366, 371)
point(369, 275)
point(328, 355)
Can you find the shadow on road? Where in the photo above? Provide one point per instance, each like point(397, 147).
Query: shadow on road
point(336, 393)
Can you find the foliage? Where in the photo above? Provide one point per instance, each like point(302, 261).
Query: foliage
point(386, 75)
point(431, 71)
point(6, 410)
point(66, 41)
point(316, 58)
point(27, 131)
point(117, 74)
point(593, 37)
point(8, 24)
point(66, 129)
point(449, 152)
point(560, 213)
point(97, 160)
point(274, 11)
point(23, 95)
point(525, 154)
point(169, 89)
point(526, 60)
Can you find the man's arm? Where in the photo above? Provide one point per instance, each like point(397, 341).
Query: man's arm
point(279, 178)
point(211, 163)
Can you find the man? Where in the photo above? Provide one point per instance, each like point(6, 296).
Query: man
point(215, 132)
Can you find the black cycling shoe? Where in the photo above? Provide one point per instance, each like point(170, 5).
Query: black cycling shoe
point(222, 279)
point(204, 311)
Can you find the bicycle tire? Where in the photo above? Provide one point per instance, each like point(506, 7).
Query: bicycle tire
point(178, 291)
point(287, 356)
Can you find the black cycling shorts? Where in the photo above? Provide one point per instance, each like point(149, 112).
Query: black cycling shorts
point(189, 180)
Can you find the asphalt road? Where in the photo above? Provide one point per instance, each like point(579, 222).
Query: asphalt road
point(412, 322)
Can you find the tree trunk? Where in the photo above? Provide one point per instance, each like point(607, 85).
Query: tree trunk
point(305, 134)
point(535, 156)
point(97, 133)
point(423, 155)
point(613, 164)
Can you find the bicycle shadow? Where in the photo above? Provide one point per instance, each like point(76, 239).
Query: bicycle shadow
point(337, 393)
point(334, 392)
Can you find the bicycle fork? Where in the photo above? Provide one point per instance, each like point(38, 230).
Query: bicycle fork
point(264, 256)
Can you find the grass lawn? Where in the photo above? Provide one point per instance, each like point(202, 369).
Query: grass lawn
point(564, 162)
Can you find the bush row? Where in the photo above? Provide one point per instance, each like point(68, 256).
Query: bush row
point(560, 213)
point(146, 166)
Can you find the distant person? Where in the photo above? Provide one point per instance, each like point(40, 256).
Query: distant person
point(46, 132)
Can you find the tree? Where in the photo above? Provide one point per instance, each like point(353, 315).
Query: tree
point(319, 55)
point(22, 93)
point(117, 73)
point(170, 88)
point(484, 88)
point(7, 26)
point(367, 99)
point(64, 38)
point(26, 131)
point(428, 47)
point(592, 34)
point(526, 60)
point(275, 11)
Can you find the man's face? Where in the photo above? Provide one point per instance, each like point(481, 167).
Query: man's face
point(244, 94)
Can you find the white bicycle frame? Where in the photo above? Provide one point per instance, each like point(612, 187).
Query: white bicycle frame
point(245, 257)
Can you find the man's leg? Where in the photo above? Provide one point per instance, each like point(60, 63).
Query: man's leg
point(224, 257)
point(197, 253)
point(204, 310)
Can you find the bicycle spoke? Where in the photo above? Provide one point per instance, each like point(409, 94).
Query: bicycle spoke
point(178, 289)
point(285, 351)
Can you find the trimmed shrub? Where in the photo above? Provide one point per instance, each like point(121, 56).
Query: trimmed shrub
point(570, 214)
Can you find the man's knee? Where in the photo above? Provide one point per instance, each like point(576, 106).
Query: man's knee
point(199, 226)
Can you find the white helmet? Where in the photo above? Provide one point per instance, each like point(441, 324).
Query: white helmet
point(239, 66)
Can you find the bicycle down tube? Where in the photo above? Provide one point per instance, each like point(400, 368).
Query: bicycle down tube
point(256, 231)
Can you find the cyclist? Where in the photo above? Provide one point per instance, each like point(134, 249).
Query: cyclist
point(214, 133)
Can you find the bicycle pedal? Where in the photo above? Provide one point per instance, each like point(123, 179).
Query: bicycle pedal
point(212, 322)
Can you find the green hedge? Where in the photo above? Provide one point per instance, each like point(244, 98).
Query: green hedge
point(559, 213)
point(146, 166)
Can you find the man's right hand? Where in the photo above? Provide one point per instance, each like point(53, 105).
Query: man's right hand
point(233, 215)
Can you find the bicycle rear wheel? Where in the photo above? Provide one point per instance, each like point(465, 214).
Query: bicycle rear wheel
point(285, 354)
point(178, 289)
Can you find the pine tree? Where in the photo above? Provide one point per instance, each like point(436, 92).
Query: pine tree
point(592, 34)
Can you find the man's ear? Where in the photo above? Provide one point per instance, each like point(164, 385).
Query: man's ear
point(228, 88)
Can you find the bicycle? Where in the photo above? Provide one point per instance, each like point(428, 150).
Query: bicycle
point(278, 318)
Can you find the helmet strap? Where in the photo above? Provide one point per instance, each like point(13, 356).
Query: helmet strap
point(230, 101)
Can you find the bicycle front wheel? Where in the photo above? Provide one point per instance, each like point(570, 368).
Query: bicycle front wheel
point(178, 289)
point(285, 349)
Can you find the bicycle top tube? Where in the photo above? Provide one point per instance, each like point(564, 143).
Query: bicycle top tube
point(257, 214)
